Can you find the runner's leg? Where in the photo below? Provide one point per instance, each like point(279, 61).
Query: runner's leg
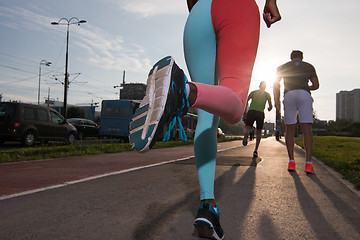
point(200, 56)
point(235, 50)
point(289, 139)
point(308, 140)
point(305, 109)
point(258, 138)
point(260, 116)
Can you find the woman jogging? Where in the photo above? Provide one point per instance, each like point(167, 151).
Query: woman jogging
point(220, 44)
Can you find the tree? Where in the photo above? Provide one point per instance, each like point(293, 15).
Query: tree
point(231, 129)
point(338, 125)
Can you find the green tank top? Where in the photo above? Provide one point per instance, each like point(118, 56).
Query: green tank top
point(258, 100)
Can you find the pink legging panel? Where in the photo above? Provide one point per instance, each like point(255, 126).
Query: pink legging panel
point(236, 25)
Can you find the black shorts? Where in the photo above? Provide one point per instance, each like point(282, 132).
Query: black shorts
point(253, 116)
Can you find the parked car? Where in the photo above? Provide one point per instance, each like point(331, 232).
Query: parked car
point(30, 123)
point(220, 133)
point(85, 127)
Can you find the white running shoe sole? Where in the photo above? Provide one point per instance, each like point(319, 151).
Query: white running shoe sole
point(205, 229)
point(146, 119)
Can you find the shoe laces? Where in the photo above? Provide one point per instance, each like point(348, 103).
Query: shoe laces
point(178, 111)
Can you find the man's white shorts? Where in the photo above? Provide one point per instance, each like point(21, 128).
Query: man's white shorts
point(298, 101)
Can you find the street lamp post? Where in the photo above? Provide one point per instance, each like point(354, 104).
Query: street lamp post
point(73, 20)
point(46, 63)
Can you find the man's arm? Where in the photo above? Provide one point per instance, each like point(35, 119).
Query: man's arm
point(269, 102)
point(247, 102)
point(276, 89)
point(191, 3)
point(315, 83)
point(250, 96)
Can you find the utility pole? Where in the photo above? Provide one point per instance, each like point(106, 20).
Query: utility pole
point(66, 81)
point(121, 85)
point(48, 98)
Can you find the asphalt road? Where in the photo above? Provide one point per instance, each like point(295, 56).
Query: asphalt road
point(10, 145)
point(258, 198)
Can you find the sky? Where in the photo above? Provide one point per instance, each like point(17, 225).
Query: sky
point(132, 35)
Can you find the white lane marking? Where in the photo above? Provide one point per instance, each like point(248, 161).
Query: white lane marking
point(98, 176)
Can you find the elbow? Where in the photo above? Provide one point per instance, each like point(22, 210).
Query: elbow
point(315, 86)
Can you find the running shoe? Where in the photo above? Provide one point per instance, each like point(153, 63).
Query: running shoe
point(207, 222)
point(309, 168)
point(255, 154)
point(160, 110)
point(245, 140)
point(291, 166)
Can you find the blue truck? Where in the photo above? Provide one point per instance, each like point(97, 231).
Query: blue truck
point(115, 118)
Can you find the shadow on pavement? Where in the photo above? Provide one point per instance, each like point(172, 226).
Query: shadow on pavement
point(312, 212)
point(238, 199)
point(158, 216)
point(338, 203)
point(268, 232)
point(282, 142)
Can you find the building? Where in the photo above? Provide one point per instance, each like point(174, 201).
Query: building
point(133, 91)
point(348, 105)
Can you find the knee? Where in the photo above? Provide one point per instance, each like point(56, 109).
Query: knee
point(235, 118)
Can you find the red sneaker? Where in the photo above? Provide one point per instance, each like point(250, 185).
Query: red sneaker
point(291, 166)
point(309, 168)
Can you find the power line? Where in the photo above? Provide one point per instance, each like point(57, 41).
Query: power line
point(23, 59)
point(15, 68)
point(21, 80)
point(97, 80)
point(16, 63)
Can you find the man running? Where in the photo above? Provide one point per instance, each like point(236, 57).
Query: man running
point(256, 113)
point(297, 99)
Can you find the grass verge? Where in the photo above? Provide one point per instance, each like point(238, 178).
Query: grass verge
point(78, 149)
point(340, 153)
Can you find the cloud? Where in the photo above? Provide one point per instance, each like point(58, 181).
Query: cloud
point(104, 50)
point(21, 18)
point(112, 52)
point(152, 7)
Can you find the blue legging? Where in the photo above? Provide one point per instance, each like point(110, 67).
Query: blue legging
point(200, 55)
point(220, 44)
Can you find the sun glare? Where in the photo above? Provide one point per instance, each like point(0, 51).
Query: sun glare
point(263, 72)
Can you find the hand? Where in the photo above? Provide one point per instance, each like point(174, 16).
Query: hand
point(271, 13)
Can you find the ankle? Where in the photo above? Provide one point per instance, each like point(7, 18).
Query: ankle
point(211, 201)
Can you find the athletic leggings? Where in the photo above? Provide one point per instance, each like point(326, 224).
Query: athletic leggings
point(219, 35)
